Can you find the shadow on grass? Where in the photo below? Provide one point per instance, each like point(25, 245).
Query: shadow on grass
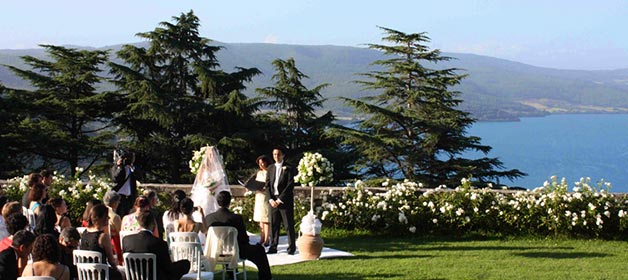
point(347, 276)
point(395, 257)
point(490, 248)
point(561, 255)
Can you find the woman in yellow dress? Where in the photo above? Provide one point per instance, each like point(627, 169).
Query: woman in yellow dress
point(261, 211)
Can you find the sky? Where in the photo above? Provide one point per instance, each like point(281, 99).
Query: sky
point(564, 34)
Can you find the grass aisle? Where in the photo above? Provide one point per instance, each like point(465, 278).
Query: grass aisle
point(440, 258)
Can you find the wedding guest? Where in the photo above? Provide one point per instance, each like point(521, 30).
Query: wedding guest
point(130, 222)
point(33, 179)
point(68, 242)
point(15, 223)
point(88, 208)
point(96, 238)
point(61, 210)
point(13, 259)
point(46, 257)
point(112, 200)
point(280, 189)
point(146, 242)
point(36, 196)
point(3, 226)
point(153, 199)
point(254, 253)
point(261, 213)
point(7, 210)
point(46, 221)
point(185, 223)
point(47, 177)
point(172, 214)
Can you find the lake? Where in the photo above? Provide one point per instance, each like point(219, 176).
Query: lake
point(570, 146)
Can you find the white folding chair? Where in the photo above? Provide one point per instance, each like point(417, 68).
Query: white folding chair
point(30, 215)
point(36, 278)
point(191, 251)
point(222, 248)
point(168, 228)
point(92, 271)
point(183, 237)
point(140, 266)
point(86, 256)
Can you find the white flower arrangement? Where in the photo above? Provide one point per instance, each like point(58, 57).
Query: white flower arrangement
point(313, 168)
point(197, 159)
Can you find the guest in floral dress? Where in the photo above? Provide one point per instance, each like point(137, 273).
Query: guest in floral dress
point(130, 223)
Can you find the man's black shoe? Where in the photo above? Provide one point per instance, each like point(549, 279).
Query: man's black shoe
point(291, 252)
point(272, 251)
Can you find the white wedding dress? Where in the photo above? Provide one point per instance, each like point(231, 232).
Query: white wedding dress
point(210, 180)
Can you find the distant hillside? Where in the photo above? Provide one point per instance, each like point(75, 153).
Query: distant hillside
point(495, 89)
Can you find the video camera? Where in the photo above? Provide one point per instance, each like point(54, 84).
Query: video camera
point(126, 156)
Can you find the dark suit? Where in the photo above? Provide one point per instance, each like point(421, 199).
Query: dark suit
point(8, 264)
point(253, 253)
point(120, 176)
point(145, 242)
point(285, 211)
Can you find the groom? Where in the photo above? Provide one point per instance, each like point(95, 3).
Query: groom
point(280, 186)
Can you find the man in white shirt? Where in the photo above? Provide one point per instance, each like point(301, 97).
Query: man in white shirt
point(280, 188)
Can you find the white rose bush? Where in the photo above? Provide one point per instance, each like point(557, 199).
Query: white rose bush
point(406, 208)
point(75, 191)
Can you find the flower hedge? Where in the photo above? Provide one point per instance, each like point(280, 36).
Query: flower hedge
point(549, 210)
point(74, 191)
point(406, 208)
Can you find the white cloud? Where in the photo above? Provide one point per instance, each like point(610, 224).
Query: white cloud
point(271, 39)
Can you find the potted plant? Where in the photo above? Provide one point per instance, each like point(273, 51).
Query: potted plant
point(313, 169)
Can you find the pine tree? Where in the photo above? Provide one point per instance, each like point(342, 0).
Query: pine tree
point(64, 120)
point(412, 128)
point(296, 107)
point(173, 98)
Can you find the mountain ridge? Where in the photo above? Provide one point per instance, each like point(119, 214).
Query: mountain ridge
point(495, 89)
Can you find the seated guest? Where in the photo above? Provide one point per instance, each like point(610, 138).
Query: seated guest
point(112, 200)
point(185, 223)
point(33, 179)
point(14, 259)
point(153, 199)
point(146, 242)
point(96, 238)
point(88, 208)
point(46, 221)
point(15, 223)
point(172, 214)
point(68, 242)
point(130, 222)
point(46, 256)
point(61, 210)
point(36, 196)
point(3, 226)
point(224, 217)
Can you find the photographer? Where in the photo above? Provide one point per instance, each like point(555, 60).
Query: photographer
point(123, 174)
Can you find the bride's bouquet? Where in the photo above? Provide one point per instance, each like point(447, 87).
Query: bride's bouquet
point(313, 168)
point(197, 159)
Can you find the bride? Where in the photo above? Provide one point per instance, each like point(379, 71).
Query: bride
point(210, 180)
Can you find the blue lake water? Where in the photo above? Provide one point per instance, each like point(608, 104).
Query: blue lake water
point(570, 146)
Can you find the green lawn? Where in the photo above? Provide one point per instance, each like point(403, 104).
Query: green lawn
point(464, 258)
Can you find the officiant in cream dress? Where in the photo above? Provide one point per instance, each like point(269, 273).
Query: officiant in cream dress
point(261, 212)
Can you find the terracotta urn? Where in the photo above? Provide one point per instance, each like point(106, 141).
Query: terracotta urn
point(310, 246)
point(310, 243)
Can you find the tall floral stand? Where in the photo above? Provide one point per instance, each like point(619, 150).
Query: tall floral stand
point(310, 243)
